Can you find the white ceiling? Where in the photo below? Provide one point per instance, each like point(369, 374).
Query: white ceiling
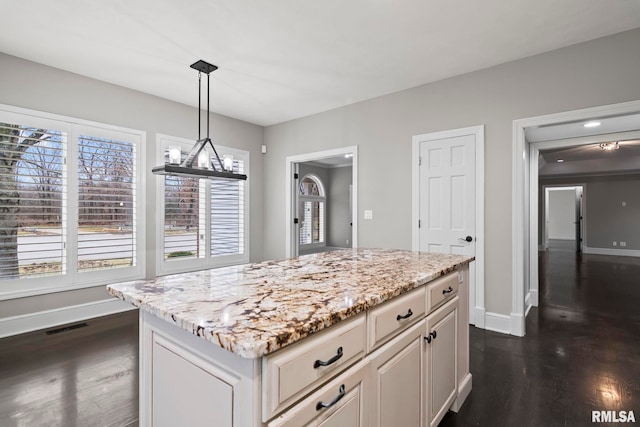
point(284, 59)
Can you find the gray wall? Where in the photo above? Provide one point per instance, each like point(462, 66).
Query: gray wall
point(606, 219)
point(339, 214)
point(36, 86)
point(599, 72)
point(562, 214)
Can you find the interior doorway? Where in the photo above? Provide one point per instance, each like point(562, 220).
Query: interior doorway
point(619, 122)
point(563, 216)
point(321, 201)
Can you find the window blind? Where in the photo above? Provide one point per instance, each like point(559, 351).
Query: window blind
point(227, 214)
point(32, 182)
point(182, 217)
point(106, 203)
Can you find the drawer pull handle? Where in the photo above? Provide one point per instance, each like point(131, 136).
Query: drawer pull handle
point(447, 291)
point(321, 404)
point(334, 359)
point(406, 316)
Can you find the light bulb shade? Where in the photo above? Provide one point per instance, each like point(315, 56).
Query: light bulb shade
point(204, 160)
point(175, 155)
point(227, 163)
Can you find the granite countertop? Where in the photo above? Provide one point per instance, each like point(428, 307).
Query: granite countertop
point(255, 309)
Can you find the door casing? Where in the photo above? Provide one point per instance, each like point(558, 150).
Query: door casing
point(291, 244)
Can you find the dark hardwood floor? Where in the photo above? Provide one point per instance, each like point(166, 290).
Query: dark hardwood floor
point(581, 351)
point(80, 377)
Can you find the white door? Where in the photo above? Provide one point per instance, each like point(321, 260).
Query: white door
point(447, 195)
point(449, 202)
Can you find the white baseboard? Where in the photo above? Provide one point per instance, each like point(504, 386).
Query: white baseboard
point(527, 304)
point(611, 251)
point(46, 319)
point(498, 323)
point(517, 322)
point(464, 389)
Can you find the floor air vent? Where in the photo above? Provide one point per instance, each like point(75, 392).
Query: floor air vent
point(66, 328)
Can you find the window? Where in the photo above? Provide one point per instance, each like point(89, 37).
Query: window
point(68, 204)
point(203, 222)
point(311, 206)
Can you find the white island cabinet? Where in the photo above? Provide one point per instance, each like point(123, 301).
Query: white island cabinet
point(358, 337)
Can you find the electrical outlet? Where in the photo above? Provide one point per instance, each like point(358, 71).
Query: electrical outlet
point(624, 204)
point(347, 242)
point(368, 214)
point(623, 244)
point(615, 243)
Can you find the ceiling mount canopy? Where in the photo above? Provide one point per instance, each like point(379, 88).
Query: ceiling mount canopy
point(206, 165)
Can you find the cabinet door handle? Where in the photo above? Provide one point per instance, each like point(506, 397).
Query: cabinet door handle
point(334, 359)
point(431, 336)
point(406, 316)
point(321, 404)
point(447, 291)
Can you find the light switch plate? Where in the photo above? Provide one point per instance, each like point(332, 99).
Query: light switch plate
point(368, 214)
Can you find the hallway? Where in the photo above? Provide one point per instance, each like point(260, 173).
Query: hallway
point(581, 352)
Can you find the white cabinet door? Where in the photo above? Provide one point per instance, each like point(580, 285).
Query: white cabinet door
point(184, 389)
point(442, 378)
point(397, 380)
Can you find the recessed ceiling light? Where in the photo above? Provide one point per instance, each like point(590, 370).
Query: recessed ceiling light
point(348, 156)
point(592, 124)
point(560, 160)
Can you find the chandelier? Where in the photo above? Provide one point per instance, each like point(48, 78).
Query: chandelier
point(199, 163)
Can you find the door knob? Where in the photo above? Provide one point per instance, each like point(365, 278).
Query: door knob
point(466, 239)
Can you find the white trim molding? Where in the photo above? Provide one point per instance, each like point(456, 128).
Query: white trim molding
point(498, 322)
point(289, 196)
point(49, 318)
point(476, 293)
point(524, 241)
point(612, 251)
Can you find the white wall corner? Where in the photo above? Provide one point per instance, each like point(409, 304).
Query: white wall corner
point(498, 322)
point(47, 319)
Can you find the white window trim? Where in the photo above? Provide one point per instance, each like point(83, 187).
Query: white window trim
point(182, 265)
point(25, 287)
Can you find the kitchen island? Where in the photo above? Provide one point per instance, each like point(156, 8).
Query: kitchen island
point(349, 337)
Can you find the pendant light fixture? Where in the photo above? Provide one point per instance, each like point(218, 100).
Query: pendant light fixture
point(205, 165)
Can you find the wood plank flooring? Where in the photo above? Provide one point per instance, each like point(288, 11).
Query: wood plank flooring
point(581, 352)
point(81, 377)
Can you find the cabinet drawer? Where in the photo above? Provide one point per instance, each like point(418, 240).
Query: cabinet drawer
point(294, 371)
point(340, 403)
point(390, 318)
point(441, 289)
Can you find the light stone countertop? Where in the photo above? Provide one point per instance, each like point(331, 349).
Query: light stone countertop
point(255, 309)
